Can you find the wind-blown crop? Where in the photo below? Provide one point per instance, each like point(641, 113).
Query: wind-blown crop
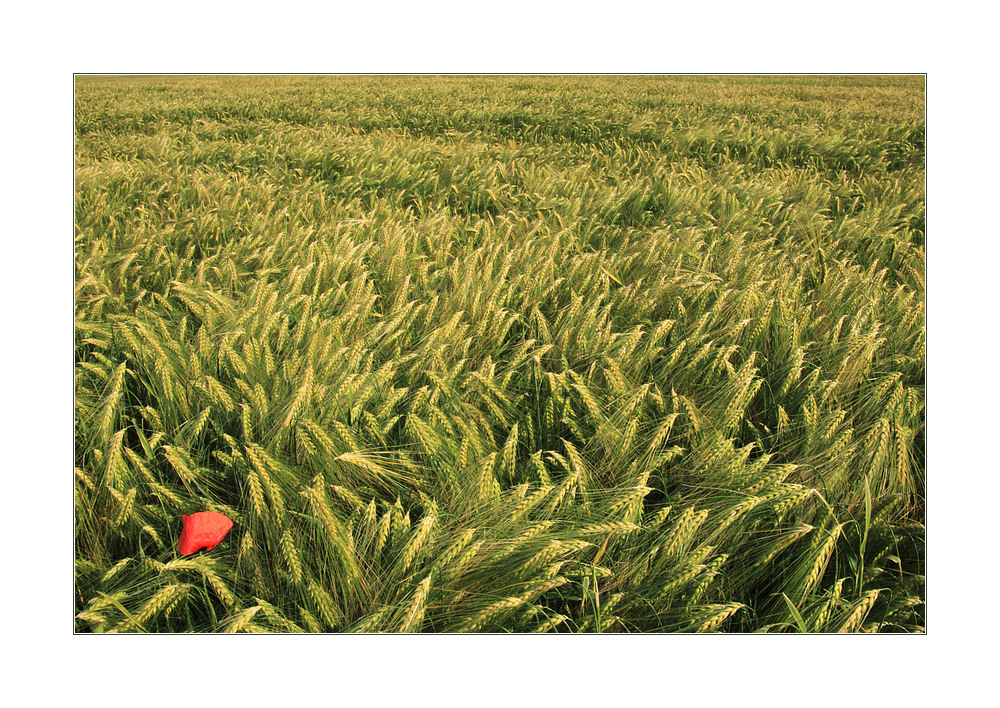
point(502, 354)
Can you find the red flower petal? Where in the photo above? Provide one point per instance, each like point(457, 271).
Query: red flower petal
point(203, 529)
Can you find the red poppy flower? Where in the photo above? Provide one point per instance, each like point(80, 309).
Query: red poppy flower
point(203, 529)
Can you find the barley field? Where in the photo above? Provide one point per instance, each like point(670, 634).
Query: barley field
point(501, 354)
